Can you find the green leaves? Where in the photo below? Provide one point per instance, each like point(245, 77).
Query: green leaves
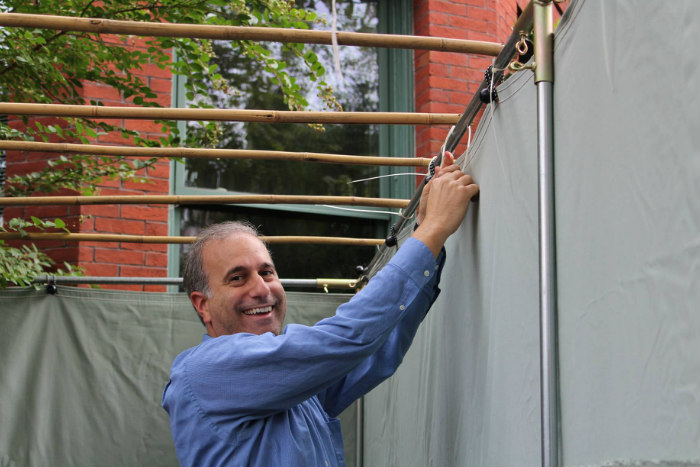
point(78, 172)
point(19, 266)
point(20, 225)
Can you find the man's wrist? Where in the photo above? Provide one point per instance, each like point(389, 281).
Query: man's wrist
point(433, 238)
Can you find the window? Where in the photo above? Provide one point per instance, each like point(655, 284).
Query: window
point(373, 80)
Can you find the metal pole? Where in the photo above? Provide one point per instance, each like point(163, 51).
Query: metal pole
point(548, 287)
point(549, 384)
point(348, 284)
point(360, 432)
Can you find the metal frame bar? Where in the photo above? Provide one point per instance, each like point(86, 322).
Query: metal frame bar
point(290, 283)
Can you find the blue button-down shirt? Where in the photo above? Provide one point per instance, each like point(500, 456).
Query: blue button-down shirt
point(249, 400)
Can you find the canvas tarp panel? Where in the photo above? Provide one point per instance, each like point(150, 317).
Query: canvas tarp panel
point(82, 372)
point(627, 113)
point(467, 392)
point(627, 177)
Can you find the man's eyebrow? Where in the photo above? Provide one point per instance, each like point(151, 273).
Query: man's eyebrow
point(234, 270)
point(238, 269)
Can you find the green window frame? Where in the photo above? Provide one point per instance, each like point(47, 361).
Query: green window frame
point(395, 94)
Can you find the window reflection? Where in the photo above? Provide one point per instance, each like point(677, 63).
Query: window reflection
point(358, 91)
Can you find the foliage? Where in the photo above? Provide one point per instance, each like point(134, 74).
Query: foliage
point(19, 266)
point(66, 61)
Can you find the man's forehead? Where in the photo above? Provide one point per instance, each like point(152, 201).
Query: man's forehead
point(239, 245)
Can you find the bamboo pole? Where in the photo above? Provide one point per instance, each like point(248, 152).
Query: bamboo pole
point(88, 237)
point(205, 199)
point(107, 26)
point(198, 153)
point(233, 115)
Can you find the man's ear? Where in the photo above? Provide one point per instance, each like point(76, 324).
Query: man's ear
point(201, 304)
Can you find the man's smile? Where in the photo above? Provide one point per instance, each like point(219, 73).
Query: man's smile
point(258, 311)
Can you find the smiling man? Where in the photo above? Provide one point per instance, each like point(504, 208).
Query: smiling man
point(243, 293)
point(253, 394)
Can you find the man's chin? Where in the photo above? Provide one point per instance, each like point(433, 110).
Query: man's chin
point(265, 324)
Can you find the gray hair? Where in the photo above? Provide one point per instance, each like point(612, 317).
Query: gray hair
point(195, 278)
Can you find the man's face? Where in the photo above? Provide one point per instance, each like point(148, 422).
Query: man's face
point(246, 294)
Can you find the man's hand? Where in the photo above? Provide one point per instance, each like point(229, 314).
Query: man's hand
point(443, 204)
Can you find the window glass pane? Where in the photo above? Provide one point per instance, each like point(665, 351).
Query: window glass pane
point(358, 91)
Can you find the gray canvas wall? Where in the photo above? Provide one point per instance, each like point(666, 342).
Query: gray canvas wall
point(627, 175)
point(628, 229)
point(82, 372)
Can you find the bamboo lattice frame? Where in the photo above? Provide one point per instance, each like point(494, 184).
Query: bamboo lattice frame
point(197, 153)
point(106, 26)
point(227, 33)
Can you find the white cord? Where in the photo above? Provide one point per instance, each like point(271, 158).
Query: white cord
point(444, 144)
point(334, 43)
point(360, 210)
point(385, 176)
point(469, 142)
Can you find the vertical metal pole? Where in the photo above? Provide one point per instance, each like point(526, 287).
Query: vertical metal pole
point(549, 384)
point(360, 432)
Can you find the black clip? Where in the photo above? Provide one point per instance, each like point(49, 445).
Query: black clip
point(51, 287)
point(391, 240)
point(489, 94)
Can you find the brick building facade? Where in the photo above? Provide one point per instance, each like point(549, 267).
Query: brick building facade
point(444, 82)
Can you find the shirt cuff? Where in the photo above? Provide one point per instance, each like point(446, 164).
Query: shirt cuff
point(416, 259)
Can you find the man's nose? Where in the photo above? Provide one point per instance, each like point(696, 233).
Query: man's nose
point(259, 287)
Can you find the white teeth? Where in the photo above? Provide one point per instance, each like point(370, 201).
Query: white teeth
point(258, 311)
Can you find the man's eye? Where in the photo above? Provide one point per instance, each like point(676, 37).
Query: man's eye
point(235, 279)
point(267, 273)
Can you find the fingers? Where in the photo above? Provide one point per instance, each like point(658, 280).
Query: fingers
point(472, 190)
point(454, 173)
point(448, 169)
point(447, 159)
point(447, 164)
point(459, 183)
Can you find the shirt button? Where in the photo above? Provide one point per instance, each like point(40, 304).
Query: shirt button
point(426, 273)
point(437, 266)
point(402, 308)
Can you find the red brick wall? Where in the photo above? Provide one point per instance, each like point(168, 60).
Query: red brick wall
point(112, 259)
point(20, 163)
point(130, 259)
point(445, 82)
